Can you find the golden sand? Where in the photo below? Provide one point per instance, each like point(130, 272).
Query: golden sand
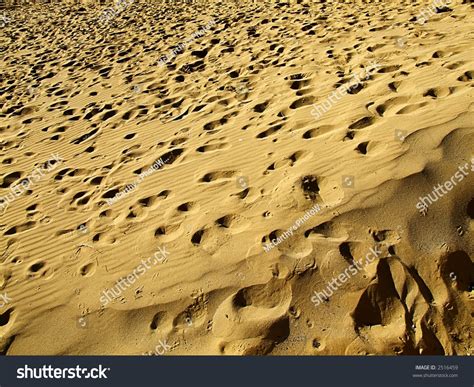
point(260, 112)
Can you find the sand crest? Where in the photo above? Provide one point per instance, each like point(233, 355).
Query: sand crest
point(190, 137)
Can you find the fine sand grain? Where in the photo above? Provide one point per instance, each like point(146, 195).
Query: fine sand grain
point(259, 116)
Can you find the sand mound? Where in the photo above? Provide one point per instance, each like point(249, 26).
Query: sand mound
point(211, 178)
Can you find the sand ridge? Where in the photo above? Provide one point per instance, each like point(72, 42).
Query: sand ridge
point(244, 160)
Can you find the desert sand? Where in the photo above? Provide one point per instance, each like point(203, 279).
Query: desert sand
point(193, 175)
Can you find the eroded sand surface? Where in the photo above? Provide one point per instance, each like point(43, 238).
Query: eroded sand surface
point(244, 160)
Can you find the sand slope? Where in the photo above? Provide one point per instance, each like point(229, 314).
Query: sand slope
point(245, 159)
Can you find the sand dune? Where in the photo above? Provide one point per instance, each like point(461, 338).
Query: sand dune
point(259, 112)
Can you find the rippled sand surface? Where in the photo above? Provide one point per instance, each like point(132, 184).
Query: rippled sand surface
point(251, 173)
